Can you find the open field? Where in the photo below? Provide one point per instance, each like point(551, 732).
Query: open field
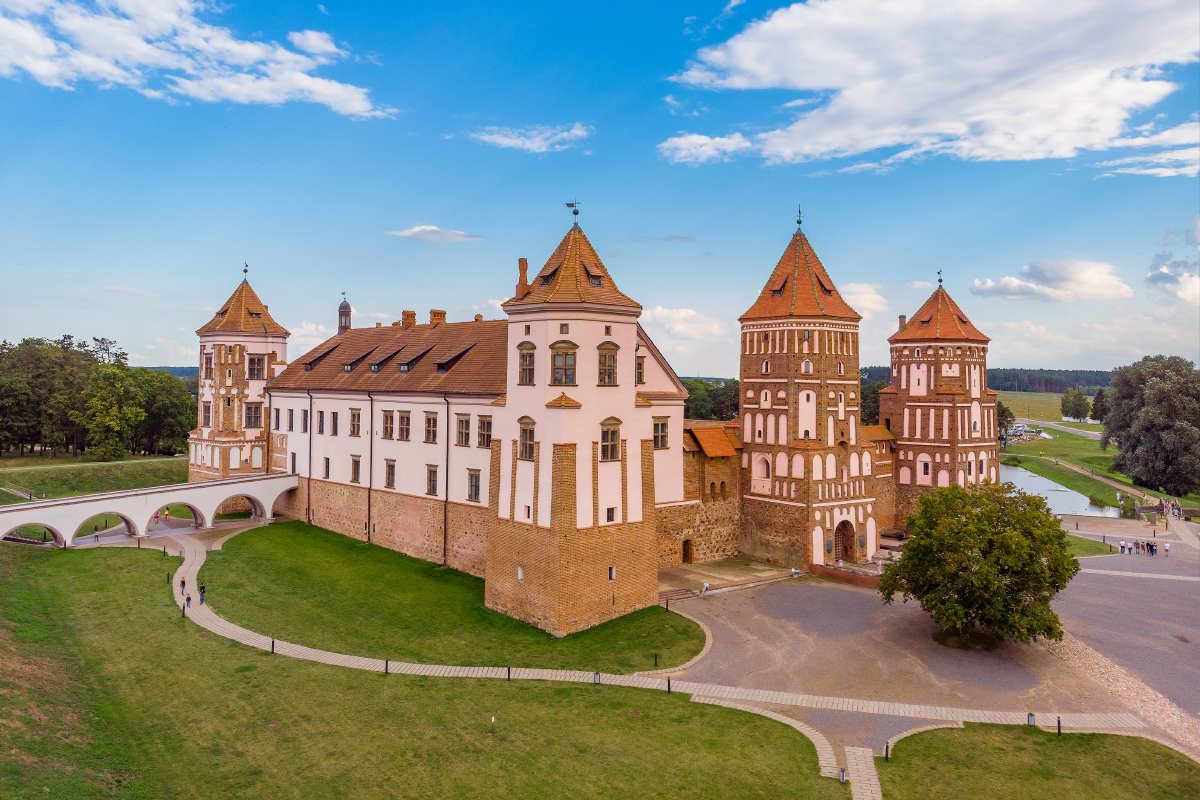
point(321, 589)
point(1034, 405)
point(11, 462)
point(108, 693)
point(1084, 426)
point(94, 478)
point(1026, 762)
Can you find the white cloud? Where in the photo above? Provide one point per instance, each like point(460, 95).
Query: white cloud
point(1177, 279)
point(919, 285)
point(322, 10)
point(1017, 80)
point(1065, 280)
point(307, 335)
point(163, 50)
point(1163, 164)
point(864, 298)
point(538, 139)
point(694, 148)
point(683, 323)
point(693, 343)
point(432, 233)
point(173, 348)
point(489, 305)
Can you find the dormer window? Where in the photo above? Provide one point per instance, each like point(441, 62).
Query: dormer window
point(347, 367)
point(374, 368)
point(404, 367)
point(777, 285)
point(594, 280)
point(255, 313)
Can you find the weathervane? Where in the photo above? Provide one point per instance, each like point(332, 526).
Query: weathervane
point(939, 277)
point(799, 215)
point(245, 269)
point(575, 207)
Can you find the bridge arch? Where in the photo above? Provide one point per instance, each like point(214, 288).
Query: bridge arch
point(83, 529)
point(52, 530)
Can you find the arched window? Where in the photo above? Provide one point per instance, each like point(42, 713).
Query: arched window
point(525, 451)
point(525, 375)
point(712, 491)
point(816, 476)
point(765, 400)
point(806, 367)
point(766, 368)
point(608, 364)
point(563, 363)
point(722, 490)
point(841, 368)
point(610, 439)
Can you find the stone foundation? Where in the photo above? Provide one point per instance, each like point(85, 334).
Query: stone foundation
point(713, 528)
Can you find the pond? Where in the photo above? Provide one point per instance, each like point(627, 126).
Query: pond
point(1061, 499)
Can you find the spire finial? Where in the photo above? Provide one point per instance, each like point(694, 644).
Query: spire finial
point(939, 277)
point(799, 217)
point(245, 270)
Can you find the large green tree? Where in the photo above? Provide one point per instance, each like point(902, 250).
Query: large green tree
point(1099, 405)
point(1004, 418)
point(991, 557)
point(870, 401)
point(111, 410)
point(1154, 417)
point(170, 412)
point(1075, 404)
point(711, 399)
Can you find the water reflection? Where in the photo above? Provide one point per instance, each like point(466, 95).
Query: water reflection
point(1061, 499)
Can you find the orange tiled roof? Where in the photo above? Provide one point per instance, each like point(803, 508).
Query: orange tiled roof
point(569, 275)
point(714, 442)
point(456, 357)
point(800, 287)
point(243, 312)
point(562, 401)
point(875, 433)
point(939, 319)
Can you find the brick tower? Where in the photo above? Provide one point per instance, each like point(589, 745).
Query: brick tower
point(938, 405)
point(806, 459)
point(241, 349)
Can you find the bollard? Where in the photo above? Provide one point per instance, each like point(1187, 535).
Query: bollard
point(272, 645)
point(597, 678)
point(168, 579)
point(656, 658)
point(509, 672)
point(842, 776)
point(1076, 526)
point(183, 608)
point(668, 605)
point(1060, 727)
point(385, 666)
point(139, 543)
point(164, 549)
point(668, 685)
point(887, 751)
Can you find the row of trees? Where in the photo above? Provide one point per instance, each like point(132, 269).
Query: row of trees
point(712, 399)
point(64, 395)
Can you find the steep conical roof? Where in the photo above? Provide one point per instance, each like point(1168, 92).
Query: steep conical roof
point(243, 312)
point(573, 274)
point(939, 319)
point(800, 287)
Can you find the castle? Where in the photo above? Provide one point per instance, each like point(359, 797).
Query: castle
point(548, 452)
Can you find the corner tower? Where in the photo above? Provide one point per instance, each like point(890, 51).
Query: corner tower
point(583, 447)
point(805, 460)
point(241, 349)
point(938, 405)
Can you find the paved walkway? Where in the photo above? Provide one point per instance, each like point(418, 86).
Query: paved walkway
point(1140, 575)
point(859, 761)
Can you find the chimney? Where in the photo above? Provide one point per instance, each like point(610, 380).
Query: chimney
point(523, 283)
point(436, 316)
point(479, 317)
point(410, 319)
point(903, 320)
point(378, 324)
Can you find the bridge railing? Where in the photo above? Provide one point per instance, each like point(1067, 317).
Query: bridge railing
point(88, 498)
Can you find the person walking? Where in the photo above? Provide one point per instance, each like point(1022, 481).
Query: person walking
point(1166, 549)
point(183, 585)
point(155, 517)
point(1122, 547)
point(168, 516)
point(189, 601)
point(202, 594)
point(96, 534)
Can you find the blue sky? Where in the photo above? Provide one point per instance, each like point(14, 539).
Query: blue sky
point(1045, 159)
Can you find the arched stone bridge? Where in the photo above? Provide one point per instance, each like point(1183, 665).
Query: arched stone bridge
point(136, 507)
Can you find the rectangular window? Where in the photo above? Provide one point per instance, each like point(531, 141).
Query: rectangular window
point(521, 570)
point(660, 434)
point(333, 415)
point(293, 463)
point(526, 376)
point(208, 368)
point(485, 431)
point(321, 422)
point(431, 480)
point(355, 422)
point(610, 444)
point(608, 330)
point(254, 415)
point(430, 427)
point(526, 451)
point(291, 418)
point(608, 369)
point(564, 368)
point(388, 430)
point(207, 415)
point(257, 368)
point(389, 474)
point(304, 420)
point(463, 430)
point(277, 419)
point(612, 573)
point(639, 375)
point(355, 465)
point(564, 328)
point(327, 469)
point(403, 428)
point(611, 514)
point(473, 485)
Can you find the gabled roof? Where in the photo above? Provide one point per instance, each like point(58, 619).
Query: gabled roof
point(455, 357)
point(714, 442)
point(569, 275)
point(799, 287)
point(243, 312)
point(939, 319)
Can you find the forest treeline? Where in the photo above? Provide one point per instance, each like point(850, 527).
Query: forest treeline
point(1027, 380)
point(70, 396)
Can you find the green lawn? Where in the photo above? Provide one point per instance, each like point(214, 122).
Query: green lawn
point(1034, 405)
point(1082, 546)
point(11, 462)
point(95, 478)
point(321, 589)
point(108, 693)
point(1084, 426)
point(1010, 761)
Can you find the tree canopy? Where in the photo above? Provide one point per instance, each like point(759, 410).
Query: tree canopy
point(711, 398)
point(869, 407)
point(1004, 418)
point(67, 395)
point(991, 556)
point(1154, 417)
point(1075, 404)
point(1099, 405)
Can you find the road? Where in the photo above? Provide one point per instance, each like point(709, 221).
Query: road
point(1039, 423)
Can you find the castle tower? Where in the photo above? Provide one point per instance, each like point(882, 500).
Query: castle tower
point(938, 405)
point(805, 458)
point(241, 349)
point(589, 410)
point(343, 317)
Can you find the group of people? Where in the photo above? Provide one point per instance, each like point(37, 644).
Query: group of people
point(1171, 507)
point(1149, 548)
point(187, 598)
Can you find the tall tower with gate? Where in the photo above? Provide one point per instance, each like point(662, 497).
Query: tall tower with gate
point(241, 349)
point(807, 460)
point(939, 406)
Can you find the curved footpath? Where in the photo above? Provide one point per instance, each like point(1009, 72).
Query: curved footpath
point(860, 765)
